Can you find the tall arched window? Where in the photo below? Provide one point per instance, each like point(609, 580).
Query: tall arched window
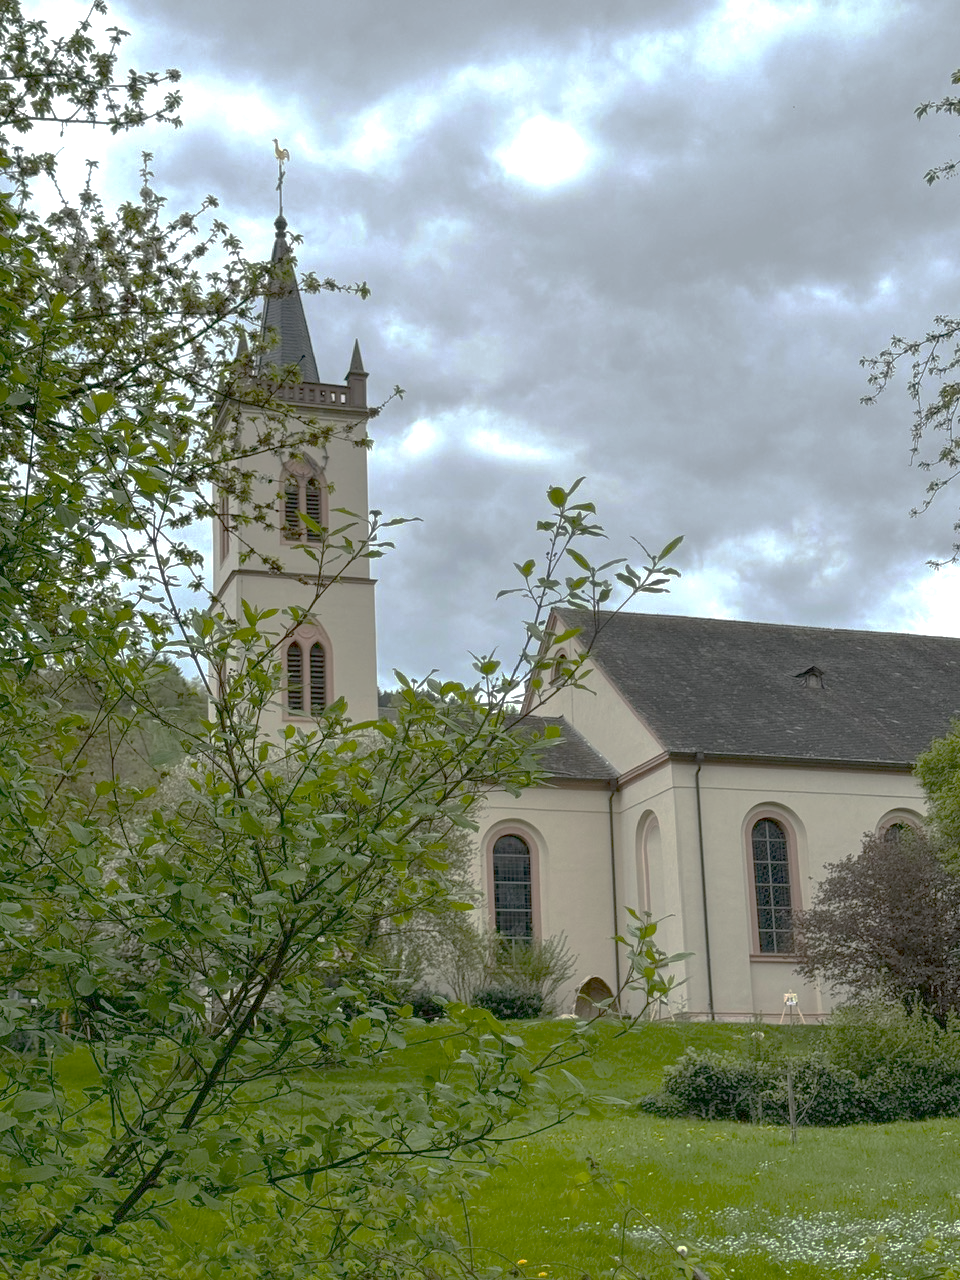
point(898, 825)
point(313, 506)
point(308, 677)
point(318, 677)
point(224, 517)
point(512, 887)
point(771, 879)
point(292, 528)
point(294, 677)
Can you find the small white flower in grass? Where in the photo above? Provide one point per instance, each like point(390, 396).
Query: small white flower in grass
point(682, 1250)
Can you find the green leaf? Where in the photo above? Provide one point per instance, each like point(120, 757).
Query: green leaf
point(157, 932)
point(669, 549)
point(32, 1100)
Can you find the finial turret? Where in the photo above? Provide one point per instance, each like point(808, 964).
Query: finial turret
point(357, 378)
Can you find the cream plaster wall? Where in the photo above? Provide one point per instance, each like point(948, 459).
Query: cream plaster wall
point(826, 811)
point(344, 611)
point(650, 829)
point(568, 830)
point(347, 626)
point(346, 477)
point(604, 718)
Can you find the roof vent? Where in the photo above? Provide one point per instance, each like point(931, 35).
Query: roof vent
point(812, 678)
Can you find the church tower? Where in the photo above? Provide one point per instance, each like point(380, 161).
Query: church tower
point(298, 549)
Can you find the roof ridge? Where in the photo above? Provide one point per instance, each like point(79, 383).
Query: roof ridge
point(613, 614)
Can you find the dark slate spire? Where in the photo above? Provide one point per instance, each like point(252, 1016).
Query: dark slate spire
point(283, 314)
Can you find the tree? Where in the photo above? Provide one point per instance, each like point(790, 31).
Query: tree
point(938, 769)
point(886, 921)
point(934, 363)
point(175, 960)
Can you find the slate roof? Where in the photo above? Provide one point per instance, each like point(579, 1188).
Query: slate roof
point(283, 313)
point(731, 688)
point(572, 757)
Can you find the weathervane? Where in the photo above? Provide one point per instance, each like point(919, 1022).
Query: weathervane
point(282, 154)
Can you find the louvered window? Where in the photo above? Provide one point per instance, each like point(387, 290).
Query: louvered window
point(292, 528)
point(318, 678)
point(771, 878)
point(314, 508)
point(224, 525)
point(302, 497)
point(294, 677)
point(512, 888)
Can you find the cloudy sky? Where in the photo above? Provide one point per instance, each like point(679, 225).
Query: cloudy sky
point(644, 243)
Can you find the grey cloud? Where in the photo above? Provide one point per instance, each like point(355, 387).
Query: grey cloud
point(684, 324)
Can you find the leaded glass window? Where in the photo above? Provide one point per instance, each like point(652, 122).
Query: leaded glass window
point(512, 888)
point(771, 877)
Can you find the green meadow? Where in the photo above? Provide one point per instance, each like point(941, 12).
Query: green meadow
point(879, 1201)
point(621, 1189)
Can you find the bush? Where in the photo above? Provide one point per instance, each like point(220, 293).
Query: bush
point(428, 1006)
point(716, 1086)
point(908, 1061)
point(490, 961)
point(879, 1064)
point(508, 1003)
point(539, 966)
point(722, 1086)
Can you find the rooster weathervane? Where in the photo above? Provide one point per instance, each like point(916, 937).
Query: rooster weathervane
point(282, 154)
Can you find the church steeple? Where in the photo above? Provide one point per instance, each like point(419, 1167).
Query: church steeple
point(282, 559)
point(283, 315)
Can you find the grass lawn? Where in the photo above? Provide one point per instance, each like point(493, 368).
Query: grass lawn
point(881, 1201)
point(847, 1202)
point(878, 1201)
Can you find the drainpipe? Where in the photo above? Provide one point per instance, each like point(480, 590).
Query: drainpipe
point(703, 889)
point(614, 787)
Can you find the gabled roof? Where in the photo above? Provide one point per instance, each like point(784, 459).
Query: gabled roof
point(283, 314)
point(571, 757)
point(738, 688)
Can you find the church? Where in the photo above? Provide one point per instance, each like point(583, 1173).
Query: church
point(708, 774)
